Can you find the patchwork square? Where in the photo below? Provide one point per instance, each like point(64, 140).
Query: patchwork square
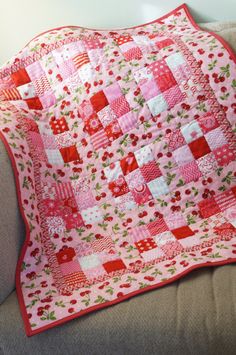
point(59, 125)
point(152, 254)
point(85, 200)
point(35, 70)
point(191, 131)
point(134, 179)
point(112, 92)
point(164, 43)
point(91, 215)
point(157, 105)
point(120, 106)
point(125, 202)
point(175, 220)
point(99, 101)
point(158, 187)
point(208, 122)
point(150, 171)
point(190, 172)
point(167, 81)
point(73, 220)
point(157, 227)
point(113, 131)
point(145, 245)
point(93, 125)
point(173, 96)
point(159, 68)
point(150, 89)
point(80, 60)
point(69, 154)
point(54, 157)
point(183, 155)
point(89, 261)
point(27, 91)
point(163, 238)
point(118, 187)
point(85, 73)
point(113, 171)
point(34, 103)
point(182, 232)
point(128, 164)
point(123, 39)
point(20, 77)
point(66, 255)
point(224, 155)
point(144, 155)
point(208, 207)
point(99, 139)
point(174, 60)
point(172, 248)
point(139, 233)
point(143, 75)
point(141, 194)
point(199, 147)
point(106, 116)
point(133, 53)
point(114, 265)
point(128, 121)
point(175, 140)
point(207, 164)
point(215, 138)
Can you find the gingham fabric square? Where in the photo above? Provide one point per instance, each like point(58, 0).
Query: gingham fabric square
point(158, 187)
point(191, 131)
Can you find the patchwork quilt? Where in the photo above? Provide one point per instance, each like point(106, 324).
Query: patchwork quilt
point(123, 148)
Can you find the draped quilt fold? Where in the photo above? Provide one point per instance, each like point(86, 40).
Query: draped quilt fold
point(123, 147)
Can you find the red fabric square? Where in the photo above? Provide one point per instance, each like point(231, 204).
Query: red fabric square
point(145, 245)
point(182, 232)
point(133, 53)
point(224, 155)
point(73, 220)
point(69, 154)
point(157, 227)
point(208, 207)
point(123, 39)
point(34, 103)
point(70, 206)
point(141, 194)
point(113, 131)
point(93, 125)
point(65, 255)
point(150, 171)
point(234, 190)
point(59, 125)
point(128, 164)
point(199, 147)
point(99, 101)
point(120, 106)
point(175, 140)
point(118, 187)
point(208, 122)
point(164, 43)
point(166, 81)
point(114, 265)
point(20, 77)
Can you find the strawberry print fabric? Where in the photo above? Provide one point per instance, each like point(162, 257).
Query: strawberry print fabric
point(123, 147)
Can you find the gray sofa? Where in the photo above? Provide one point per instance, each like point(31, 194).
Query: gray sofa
point(195, 315)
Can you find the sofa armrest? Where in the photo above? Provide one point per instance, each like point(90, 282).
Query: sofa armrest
point(12, 229)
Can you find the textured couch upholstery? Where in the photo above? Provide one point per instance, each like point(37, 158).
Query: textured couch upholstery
point(195, 315)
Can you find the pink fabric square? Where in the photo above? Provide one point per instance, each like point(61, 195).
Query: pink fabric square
point(49, 141)
point(190, 172)
point(175, 220)
point(35, 70)
point(171, 248)
point(128, 121)
point(112, 92)
point(173, 96)
point(134, 179)
point(141, 194)
point(224, 155)
point(159, 68)
point(120, 106)
point(150, 171)
point(182, 73)
point(67, 68)
point(139, 233)
point(208, 122)
point(41, 85)
point(85, 200)
point(149, 89)
point(48, 99)
point(70, 267)
point(133, 53)
point(207, 163)
point(175, 140)
point(157, 227)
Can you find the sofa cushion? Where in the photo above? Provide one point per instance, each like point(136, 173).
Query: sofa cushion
point(196, 315)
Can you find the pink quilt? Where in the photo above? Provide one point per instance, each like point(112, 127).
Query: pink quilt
point(123, 148)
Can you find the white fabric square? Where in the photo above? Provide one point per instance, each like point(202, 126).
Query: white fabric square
point(157, 105)
point(91, 215)
point(174, 60)
point(85, 72)
point(191, 131)
point(54, 157)
point(152, 254)
point(144, 155)
point(141, 40)
point(158, 187)
point(89, 261)
point(27, 91)
point(215, 138)
point(163, 238)
point(113, 171)
point(143, 75)
point(183, 155)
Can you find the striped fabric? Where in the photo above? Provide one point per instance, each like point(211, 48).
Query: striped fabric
point(80, 60)
point(11, 94)
point(225, 200)
point(64, 190)
point(99, 139)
